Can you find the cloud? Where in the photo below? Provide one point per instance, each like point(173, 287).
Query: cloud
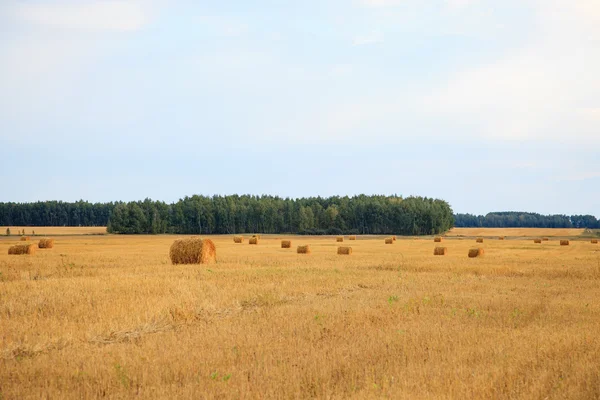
point(370, 38)
point(381, 3)
point(116, 15)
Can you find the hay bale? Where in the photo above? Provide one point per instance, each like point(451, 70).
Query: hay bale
point(437, 239)
point(344, 250)
point(479, 240)
point(238, 239)
point(440, 251)
point(25, 238)
point(537, 240)
point(19, 249)
point(253, 240)
point(352, 237)
point(339, 239)
point(594, 241)
point(544, 239)
point(303, 249)
point(46, 243)
point(500, 237)
point(394, 238)
point(193, 251)
point(476, 252)
point(564, 242)
point(286, 244)
point(256, 236)
point(389, 241)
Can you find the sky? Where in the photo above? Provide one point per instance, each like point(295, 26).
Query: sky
point(490, 105)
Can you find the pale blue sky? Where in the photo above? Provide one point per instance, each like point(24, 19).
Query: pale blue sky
point(489, 105)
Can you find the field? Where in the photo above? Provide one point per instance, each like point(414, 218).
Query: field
point(55, 230)
point(516, 232)
point(109, 316)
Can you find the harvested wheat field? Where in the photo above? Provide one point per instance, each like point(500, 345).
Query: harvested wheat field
point(110, 316)
point(515, 232)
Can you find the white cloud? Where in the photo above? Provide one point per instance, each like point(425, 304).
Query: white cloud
point(115, 15)
point(381, 3)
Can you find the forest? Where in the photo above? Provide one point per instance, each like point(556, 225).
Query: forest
point(271, 214)
point(241, 214)
point(512, 219)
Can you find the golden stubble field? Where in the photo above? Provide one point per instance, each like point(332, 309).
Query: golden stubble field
point(109, 316)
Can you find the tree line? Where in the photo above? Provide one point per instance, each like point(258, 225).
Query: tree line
point(512, 219)
point(271, 214)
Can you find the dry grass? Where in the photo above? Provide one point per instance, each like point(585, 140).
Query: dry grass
point(344, 250)
point(478, 252)
point(193, 250)
point(303, 249)
point(108, 316)
point(515, 232)
point(440, 251)
point(20, 249)
point(46, 243)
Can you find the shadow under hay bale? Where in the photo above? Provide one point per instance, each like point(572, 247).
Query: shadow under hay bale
point(238, 239)
point(479, 240)
point(440, 251)
point(339, 239)
point(537, 240)
point(389, 241)
point(344, 250)
point(193, 251)
point(19, 249)
point(476, 252)
point(303, 249)
point(253, 240)
point(353, 237)
point(437, 239)
point(286, 244)
point(46, 243)
point(564, 242)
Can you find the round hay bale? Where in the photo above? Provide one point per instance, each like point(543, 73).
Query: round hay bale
point(389, 241)
point(476, 252)
point(500, 237)
point(46, 243)
point(352, 237)
point(594, 241)
point(344, 250)
point(25, 238)
point(19, 249)
point(303, 249)
point(545, 239)
point(437, 239)
point(564, 242)
point(286, 244)
point(394, 238)
point(253, 240)
point(193, 251)
point(238, 239)
point(537, 240)
point(256, 236)
point(479, 240)
point(339, 239)
point(440, 251)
